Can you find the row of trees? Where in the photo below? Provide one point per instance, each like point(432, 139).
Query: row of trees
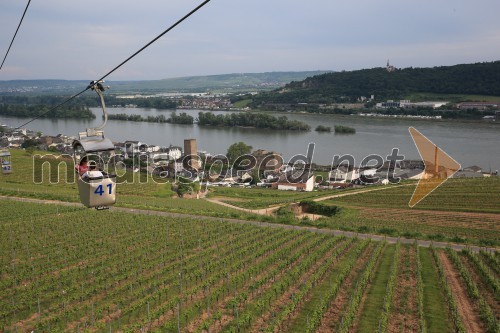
point(66, 111)
point(257, 120)
point(89, 101)
point(182, 118)
point(445, 114)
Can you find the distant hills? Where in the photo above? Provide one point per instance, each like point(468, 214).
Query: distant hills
point(224, 82)
point(455, 83)
point(349, 86)
point(227, 83)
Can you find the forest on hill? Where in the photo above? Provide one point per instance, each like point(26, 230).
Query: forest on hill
point(349, 86)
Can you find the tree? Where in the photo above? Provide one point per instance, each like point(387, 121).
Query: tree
point(185, 185)
point(29, 143)
point(236, 150)
point(255, 176)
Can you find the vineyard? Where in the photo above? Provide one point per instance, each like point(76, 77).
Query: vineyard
point(69, 269)
point(461, 211)
point(479, 195)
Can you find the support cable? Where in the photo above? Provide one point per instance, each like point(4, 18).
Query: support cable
point(120, 65)
point(14, 37)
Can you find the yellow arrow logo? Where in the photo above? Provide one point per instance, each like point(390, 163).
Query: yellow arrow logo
point(439, 166)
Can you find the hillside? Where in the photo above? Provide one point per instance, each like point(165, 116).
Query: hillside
point(224, 82)
point(67, 269)
point(138, 267)
point(348, 86)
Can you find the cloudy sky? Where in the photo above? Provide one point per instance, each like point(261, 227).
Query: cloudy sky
point(85, 39)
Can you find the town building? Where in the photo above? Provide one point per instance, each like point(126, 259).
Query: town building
point(343, 174)
point(478, 105)
point(408, 104)
point(267, 161)
point(190, 151)
point(304, 182)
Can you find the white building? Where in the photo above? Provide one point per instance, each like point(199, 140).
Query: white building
point(408, 104)
point(342, 174)
point(304, 183)
point(434, 105)
point(174, 152)
point(132, 148)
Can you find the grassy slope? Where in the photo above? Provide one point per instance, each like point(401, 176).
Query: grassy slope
point(145, 194)
point(259, 197)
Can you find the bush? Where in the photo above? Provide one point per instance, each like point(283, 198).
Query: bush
point(284, 212)
point(322, 128)
point(387, 231)
point(363, 229)
point(339, 129)
point(187, 186)
point(313, 207)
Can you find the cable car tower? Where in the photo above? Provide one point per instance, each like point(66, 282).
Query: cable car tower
point(94, 161)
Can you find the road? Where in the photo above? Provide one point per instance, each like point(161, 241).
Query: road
point(423, 243)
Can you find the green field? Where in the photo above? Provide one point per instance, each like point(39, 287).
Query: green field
point(461, 210)
point(242, 104)
point(256, 198)
point(67, 269)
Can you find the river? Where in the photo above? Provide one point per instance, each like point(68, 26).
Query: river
point(470, 143)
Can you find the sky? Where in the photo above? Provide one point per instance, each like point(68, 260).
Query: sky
point(83, 40)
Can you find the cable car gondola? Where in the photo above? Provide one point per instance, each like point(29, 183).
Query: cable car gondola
point(95, 156)
point(5, 161)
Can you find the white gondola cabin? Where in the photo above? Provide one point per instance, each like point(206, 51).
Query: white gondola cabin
point(94, 162)
point(5, 161)
point(96, 184)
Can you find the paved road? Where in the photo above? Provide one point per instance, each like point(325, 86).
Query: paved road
point(423, 243)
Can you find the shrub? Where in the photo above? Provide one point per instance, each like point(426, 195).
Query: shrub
point(314, 207)
point(339, 129)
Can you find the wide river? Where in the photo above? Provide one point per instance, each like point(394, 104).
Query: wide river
point(470, 143)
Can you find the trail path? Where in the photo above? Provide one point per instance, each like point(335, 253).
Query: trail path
point(270, 210)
